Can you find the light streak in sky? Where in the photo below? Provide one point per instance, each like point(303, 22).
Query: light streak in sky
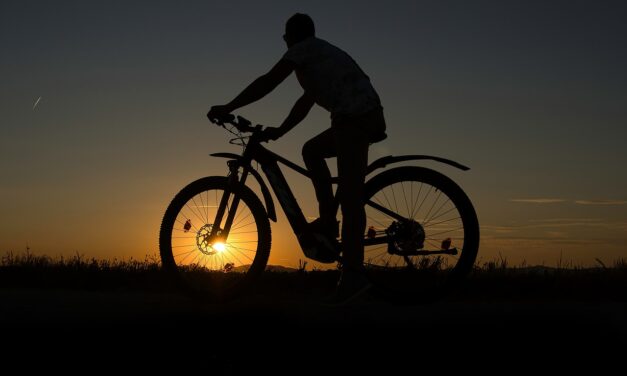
point(36, 103)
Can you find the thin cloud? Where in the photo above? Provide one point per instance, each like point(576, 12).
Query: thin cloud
point(499, 229)
point(601, 202)
point(556, 235)
point(552, 224)
point(537, 200)
point(566, 220)
point(543, 241)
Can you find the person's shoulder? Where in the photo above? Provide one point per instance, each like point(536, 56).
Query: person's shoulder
point(306, 44)
point(301, 50)
point(321, 41)
point(315, 42)
point(327, 46)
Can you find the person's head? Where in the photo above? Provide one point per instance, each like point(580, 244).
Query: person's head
point(298, 27)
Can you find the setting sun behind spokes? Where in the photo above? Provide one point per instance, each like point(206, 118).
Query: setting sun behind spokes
point(219, 246)
point(194, 245)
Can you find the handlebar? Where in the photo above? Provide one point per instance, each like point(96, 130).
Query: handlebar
point(242, 125)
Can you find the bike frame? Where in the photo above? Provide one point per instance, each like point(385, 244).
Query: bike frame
point(269, 162)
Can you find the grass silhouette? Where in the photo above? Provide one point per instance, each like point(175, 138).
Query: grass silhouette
point(494, 279)
point(78, 272)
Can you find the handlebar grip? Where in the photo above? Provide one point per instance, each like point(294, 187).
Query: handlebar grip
point(220, 120)
point(242, 124)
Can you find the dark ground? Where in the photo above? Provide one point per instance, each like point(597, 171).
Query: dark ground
point(514, 315)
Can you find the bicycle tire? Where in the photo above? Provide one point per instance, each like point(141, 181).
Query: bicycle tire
point(427, 282)
point(211, 282)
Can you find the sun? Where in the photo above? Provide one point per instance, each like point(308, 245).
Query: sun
point(219, 246)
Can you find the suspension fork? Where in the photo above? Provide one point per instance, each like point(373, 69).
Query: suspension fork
point(232, 186)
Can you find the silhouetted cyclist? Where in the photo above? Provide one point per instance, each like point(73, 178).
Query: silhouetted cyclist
point(333, 80)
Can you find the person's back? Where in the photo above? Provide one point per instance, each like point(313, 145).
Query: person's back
point(332, 78)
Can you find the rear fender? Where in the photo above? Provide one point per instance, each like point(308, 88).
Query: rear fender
point(384, 161)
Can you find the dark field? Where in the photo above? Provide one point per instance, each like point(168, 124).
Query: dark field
point(498, 309)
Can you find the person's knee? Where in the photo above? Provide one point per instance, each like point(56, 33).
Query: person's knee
point(310, 152)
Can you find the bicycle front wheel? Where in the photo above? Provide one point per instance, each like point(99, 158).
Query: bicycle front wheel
point(219, 267)
point(423, 232)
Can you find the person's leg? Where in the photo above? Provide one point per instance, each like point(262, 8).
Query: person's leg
point(352, 161)
point(352, 142)
point(314, 153)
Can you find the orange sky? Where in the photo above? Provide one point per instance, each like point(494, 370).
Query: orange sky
point(529, 95)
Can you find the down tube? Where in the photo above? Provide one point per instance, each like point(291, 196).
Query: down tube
point(285, 196)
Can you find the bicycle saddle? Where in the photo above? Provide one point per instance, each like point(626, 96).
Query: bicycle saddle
point(378, 137)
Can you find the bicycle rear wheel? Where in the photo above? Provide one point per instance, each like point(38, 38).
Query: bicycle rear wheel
point(219, 267)
point(422, 233)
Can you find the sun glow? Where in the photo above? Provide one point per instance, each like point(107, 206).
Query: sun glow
point(219, 246)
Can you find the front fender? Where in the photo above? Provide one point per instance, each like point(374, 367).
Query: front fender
point(267, 197)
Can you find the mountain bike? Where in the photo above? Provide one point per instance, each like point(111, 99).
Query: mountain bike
point(215, 237)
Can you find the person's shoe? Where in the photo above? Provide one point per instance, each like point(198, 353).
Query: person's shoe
point(319, 247)
point(328, 228)
point(351, 287)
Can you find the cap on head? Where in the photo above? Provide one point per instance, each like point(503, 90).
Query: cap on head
point(300, 26)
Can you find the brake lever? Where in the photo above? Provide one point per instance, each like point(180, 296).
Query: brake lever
point(244, 123)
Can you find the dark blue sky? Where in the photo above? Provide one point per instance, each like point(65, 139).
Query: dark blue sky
point(530, 94)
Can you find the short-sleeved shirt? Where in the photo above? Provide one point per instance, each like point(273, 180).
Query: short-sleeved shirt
point(332, 78)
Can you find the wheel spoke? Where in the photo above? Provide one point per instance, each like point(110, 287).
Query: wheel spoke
point(423, 201)
point(426, 220)
point(441, 215)
point(198, 210)
point(444, 221)
point(436, 213)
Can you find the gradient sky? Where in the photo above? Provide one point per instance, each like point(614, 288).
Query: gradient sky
point(530, 94)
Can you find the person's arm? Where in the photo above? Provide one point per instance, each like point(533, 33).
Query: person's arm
point(299, 111)
point(257, 89)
